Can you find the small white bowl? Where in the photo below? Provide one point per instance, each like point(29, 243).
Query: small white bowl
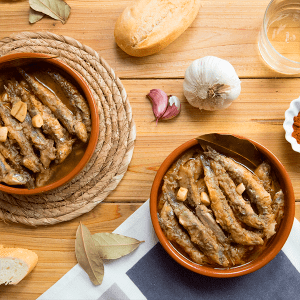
point(290, 113)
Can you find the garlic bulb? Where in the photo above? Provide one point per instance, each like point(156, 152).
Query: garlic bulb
point(211, 83)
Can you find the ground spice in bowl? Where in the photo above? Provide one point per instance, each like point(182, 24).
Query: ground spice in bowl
point(296, 127)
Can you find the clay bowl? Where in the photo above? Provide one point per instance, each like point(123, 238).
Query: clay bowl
point(274, 244)
point(21, 59)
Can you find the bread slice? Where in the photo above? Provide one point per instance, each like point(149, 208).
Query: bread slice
point(148, 26)
point(15, 264)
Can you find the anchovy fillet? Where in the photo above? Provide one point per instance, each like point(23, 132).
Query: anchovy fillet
point(10, 153)
point(174, 233)
point(58, 108)
point(223, 213)
point(45, 146)
point(51, 125)
point(242, 209)
point(44, 177)
point(200, 235)
point(75, 98)
point(253, 186)
point(10, 176)
point(204, 215)
point(268, 178)
point(278, 206)
point(195, 188)
point(30, 160)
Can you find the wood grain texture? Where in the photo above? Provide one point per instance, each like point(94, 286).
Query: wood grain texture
point(257, 114)
point(227, 29)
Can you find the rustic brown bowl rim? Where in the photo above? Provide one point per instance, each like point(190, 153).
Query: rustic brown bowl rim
point(275, 243)
point(94, 116)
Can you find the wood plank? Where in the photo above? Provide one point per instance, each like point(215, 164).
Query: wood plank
point(257, 114)
point(227, 29)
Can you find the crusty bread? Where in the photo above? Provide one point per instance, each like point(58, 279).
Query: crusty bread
point(148, 26)
point(15, 264)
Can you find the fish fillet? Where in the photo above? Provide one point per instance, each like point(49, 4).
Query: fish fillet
point(58, 108)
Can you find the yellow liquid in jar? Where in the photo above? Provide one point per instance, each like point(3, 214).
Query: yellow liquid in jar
point(284, 33)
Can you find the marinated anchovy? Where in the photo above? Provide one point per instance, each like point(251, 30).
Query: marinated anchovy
point(195, 188)
point(171, 177)
point(270, 183)
point(200, 235)
point(45, 146)
point(10, 176)
point(58, 108)
point(192, 168)
point(51, 125)
point(278, 206)
point(44, 177)
point(254, 188)
point(188, 177)
point(223, 213)
point(174, 233)
point(10, 153)
point(205, 216)
point(241, 208)
point(76, 99)
point(237, 254)
point(263, 172)
point(30, 160)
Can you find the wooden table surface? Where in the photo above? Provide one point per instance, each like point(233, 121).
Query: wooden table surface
point(224, 28)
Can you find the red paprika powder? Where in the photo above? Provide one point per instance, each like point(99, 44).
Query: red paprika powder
point(296, 127)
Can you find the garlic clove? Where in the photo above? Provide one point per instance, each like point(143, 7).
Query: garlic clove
point(159, 100)
point(173, 109)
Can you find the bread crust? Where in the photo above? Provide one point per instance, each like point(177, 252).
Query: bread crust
point(27, 256)
point(148, 26)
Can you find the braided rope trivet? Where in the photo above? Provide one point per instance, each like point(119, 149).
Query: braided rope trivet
point(115, 145)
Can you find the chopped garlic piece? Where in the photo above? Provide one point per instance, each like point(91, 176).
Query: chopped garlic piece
point(19, 110)
point(37, 121)
point(240, 188)
point(182, 194)
point(3, 134)
point(204, 199)
point(5, 98)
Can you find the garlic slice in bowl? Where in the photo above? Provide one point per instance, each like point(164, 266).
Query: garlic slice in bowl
point(290, 113)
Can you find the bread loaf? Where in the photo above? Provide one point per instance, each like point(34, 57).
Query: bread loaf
point(15, 264)
point(148, 26)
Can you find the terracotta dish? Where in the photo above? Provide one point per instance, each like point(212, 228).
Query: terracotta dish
point(22, 59)
point(274, 244)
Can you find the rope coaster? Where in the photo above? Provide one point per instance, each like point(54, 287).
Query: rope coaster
point(115, 144)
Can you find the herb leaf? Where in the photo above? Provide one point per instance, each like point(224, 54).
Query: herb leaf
point(87, 255)
point(56, 9)
point(237, 148)
point(113, 245)
point(35, 16)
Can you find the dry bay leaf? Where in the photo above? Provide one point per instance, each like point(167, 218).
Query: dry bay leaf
point(56, 9)
point(113, 245)
point(238, 148)
point(34, 16)
point(88, 256)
